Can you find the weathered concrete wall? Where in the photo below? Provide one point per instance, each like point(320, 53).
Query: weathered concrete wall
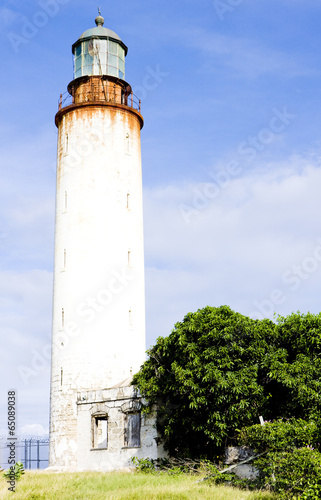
point(99, 304)
point(116, 456)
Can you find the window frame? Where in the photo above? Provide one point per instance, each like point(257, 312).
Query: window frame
point(95, 418)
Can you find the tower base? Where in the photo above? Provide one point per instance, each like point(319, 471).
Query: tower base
point(111, 430)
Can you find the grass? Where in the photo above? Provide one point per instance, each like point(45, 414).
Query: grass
point(119, 486)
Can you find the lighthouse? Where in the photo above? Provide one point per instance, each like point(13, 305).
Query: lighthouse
point(98, 335)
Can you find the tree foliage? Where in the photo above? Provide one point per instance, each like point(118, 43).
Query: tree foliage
point(219, 371)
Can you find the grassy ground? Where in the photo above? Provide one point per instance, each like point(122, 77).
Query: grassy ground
point(119, 486)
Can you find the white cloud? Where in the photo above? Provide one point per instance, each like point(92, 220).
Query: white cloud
point(25, 310)
point(33, 430)
point(237, 248)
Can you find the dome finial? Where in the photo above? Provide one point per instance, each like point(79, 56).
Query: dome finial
point(99, 20)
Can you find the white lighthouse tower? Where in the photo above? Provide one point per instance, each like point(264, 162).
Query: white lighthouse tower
point(98, 337)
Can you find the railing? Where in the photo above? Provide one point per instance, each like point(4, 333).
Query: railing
point(130, 100)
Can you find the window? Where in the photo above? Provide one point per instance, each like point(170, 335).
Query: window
point(66, 144)
point(62, 318)
point(127, 144)
point(128, 201)
point(132, 430)
point(99, 432)
point(61, 376)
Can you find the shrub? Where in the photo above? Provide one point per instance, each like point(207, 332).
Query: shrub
point(295, 474)
point(292, 466)
point(16, 472)
point(144, 464)
point(281, 435)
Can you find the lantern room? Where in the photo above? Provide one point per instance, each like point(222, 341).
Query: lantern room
point(99, 51)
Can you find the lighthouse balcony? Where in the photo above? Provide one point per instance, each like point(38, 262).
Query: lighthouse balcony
point(101, 89)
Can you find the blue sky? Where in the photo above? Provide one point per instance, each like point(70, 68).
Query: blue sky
point(231, 149)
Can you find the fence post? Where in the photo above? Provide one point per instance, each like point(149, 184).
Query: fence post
point(30, 453)
point(26, 455)
point(38, 457)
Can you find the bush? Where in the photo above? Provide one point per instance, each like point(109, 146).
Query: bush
point(14, 473)
point(292, 466)
point(144, 464)
point(281, 435)
point(295, 474)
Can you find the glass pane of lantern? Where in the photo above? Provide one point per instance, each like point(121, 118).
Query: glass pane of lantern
point(103, 46)
point(122, 65)
point(87, 70)
point(112, 71)
point(121, 52)
point(88, 60)
point(85, 47)
point(103, 60)
point(112, 47)
point(112, 61)
point(78, 63)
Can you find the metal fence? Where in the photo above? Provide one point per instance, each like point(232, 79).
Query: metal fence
point(33, 452)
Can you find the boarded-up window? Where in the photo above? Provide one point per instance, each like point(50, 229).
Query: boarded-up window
point(99, 437)
point(132, 430)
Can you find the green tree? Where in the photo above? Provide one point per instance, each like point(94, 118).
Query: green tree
point(295, 375)
point(219, 371)
point(207, 378)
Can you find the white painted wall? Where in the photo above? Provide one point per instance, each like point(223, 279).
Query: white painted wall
point(98, 341)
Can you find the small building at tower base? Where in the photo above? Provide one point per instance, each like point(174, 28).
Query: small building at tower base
point(111, 431)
